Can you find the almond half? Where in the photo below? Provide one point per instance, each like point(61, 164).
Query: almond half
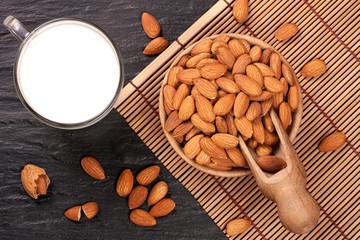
point(90, 209)
point(156, 46)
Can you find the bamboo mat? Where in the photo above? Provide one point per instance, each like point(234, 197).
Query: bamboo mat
point(329, 30)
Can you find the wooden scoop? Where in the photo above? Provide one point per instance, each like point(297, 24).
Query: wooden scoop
point(298, 211)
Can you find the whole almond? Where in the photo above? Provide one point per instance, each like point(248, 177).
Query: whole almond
point(169, 94)
point(225, 57)
point(265, 69)
point(162, 208)
point(293, 97)
point(247, 85)
point(246, 45)
point(202, 47)
point(206, 88)
point(180, 138)
point(192, 133)
point(125, 183)
point(92, 167)
point(227, 85)
point(265, 57)
point(229, 75)
point(314, 68)
point(148, 175)
point(223, 162)
point(225, 140)
point(241, 104)
point(240, 64)
point(173, 81)
point(150, 25)
point(187, 75)
point(236, 47)
point(74, 213)
point(252, 143)
point(237, 226)
point(202, 158)
point(244, 126)
point(205, 61)
point(187, 108)
point(194, 92)
point(221, 125)
point(223, 38)
point(332, 142)
point(167, 109)
point(253, 111)
point(241, 10)
point(181, 93)
point(137, 197)
point(218, 44)
point(255, 74)
point(258, 131)
point(213, 70)
point(231, 125)
point(285, 84)
point(157, 193)
point(172, 121)
point(224, 105)
point(204, 126)
point(271, 163)
point(142, 218)
point(193, 61)
point(255, 53)
point(273, 85)
point(271, 138)
point(268, 124)
point(34, 180)
point(183, 60)
point(275, 64)
point(265, 95)
point(156, 46)
point(237, 157)
point(192, 147)
point(266, 106)
point(263, 150)
point(204, 108)
point(286, 31)
point(278, 98)
point(182, 129)
point(285, 114)
point(287, 73)
point(211, 149)
point(90, 209)
point(217, 167)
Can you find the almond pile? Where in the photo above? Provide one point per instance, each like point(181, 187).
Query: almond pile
point(226, 87)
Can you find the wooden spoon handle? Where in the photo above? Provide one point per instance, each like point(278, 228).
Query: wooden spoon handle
point(298, 211)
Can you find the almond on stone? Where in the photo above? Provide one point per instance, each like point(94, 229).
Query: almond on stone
point(162, 208)
point(187, 108)
point(224, 105)
point(156, 46)
point(74, 213)
point(225, 57)
point(34, 180)
point(192, 147)
point(157, 193)
point(148, 175)
point(150, 25)
point(90, 209)
point(137, 197)
point(202, 47)
point(125, 183)
point(142, 218)
point(241, 104)
point(92, 167)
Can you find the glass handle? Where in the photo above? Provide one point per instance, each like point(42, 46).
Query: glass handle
point(16, 28)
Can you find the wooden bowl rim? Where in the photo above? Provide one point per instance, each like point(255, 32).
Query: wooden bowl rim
point(295, 125)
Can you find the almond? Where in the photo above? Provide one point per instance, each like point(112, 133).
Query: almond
point(213, 70)
point(236, 47)
point(229, 75)
point(167, 109)
point(287, 73)
point(225, 140)
point(252, 143)
point(223, 162)
point(180, 139)
point(193, 61)
point(150, 25)
point(221, 125)
point(253, 111)
point(246, 45)
point(192, 147)
point(201, 124)
point(237, 226)
point(92, 167)
point(202, 47)
point(182, 129)
point(255, 53)
point(314, 68)
point(265, 69)
point(271, 138)
point(192, 133)
point(137, 197)
point(265, 95)
point(148, 175)
point(241, 10)
point(34, 180)
point(241, 62)
point(206, 88)
point(187, 75)
point(173, 81)
point(271, 163)
point(247, 85)
point(231, 125)
point(259, 132)
point(163, 207)
point(74, 213)
point(172, 121)
point(223, 38)
point(224, 105)
point(157, 193)
point(266, 105)
point(205, 61)
point(142, 218)
point(285, 84)
point(225, 57)
point(237, 157)
point(169, 94)
point(263, 150)
point(217, 167)
point(285, 114)
point(293, 97)
point(181, 93)
point(241, 104)
point(286, 31)
point(211, 149)
point(156, 46)
point(202, 158)
point(332, 142)
point(187, 108)
point(265, 57)
point(227, 85)
point(183, 60)
point(204, 108)
point(268, 124)
point(90, 209)
point(125, 183)
point(218, 44)
point(244, 126)
point(273, 85)
point(194, 92)
point(255, 74)
point(278, 98)
point(275, 64)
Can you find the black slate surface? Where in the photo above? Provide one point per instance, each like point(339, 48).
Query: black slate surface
point(25, 140)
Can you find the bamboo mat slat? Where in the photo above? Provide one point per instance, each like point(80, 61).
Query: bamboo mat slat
point(329, 30)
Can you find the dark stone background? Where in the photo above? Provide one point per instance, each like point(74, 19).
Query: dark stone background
point(25, 140)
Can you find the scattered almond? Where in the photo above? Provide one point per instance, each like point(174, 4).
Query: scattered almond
point(90, 209)
point(148, 175)
point(332, 142)
point(34, 180)
point(92, 167)
point(150, 25)
point(142, 218)
point(137, 197)
point(74, 213)
point(241, 10)
point(125, 183)
point(156, 46)
point(314, 68)
point(286, 31)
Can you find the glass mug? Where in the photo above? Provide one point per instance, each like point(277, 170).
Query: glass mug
point(68, 72)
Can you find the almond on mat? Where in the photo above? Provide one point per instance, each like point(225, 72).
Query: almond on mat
point(157, 193)
point(241, 10)
point(92, 167)
point(286, 31)
point(237, 226)
point(150, 25)
point(332, 142)
point(314, 68)
point(162, 208)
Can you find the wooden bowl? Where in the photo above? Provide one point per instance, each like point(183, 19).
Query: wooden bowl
point(237, 172)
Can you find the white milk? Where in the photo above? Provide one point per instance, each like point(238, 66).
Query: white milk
point(69, 72)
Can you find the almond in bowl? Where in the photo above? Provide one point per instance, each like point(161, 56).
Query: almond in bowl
point(222, 88)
